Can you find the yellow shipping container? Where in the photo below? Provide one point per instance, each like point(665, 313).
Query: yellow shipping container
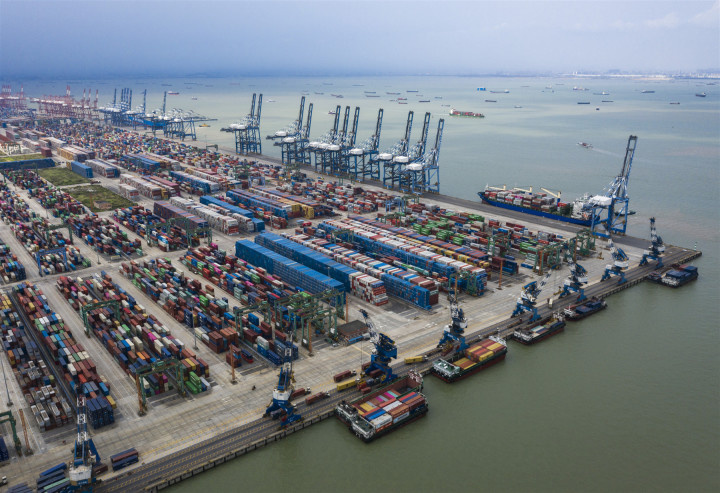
point(495, 346)
point(366, 406)
point(414, 359)
point(346, 384)
point(112, 402)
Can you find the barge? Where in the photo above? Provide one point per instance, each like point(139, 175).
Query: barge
point(585, 309)
point(477, 357)
point(469, 114)
point(540, 332)
point(385, 409)
point(678, 276)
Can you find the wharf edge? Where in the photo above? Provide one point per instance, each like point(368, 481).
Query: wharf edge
point(218, 450)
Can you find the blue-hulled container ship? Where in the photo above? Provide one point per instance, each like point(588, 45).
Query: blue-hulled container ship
point(538, 204)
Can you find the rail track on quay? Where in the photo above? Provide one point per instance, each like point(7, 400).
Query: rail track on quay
point(216, 450)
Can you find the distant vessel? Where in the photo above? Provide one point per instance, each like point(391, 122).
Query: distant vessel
point(438, 97)
point(270, 101)
point(491, 101)
point(646, 92)
point(332, 112)
point(372, 95)
point(402, 99)
point(369, 92)
point(166, 85)
point(518, 106)
point(411, 91)
point(194, 99)
point(583, 102)
point(585, 145)
point(424, 101)
point(319, 93)
point(337, 95)
point(501, 92)
point(700, 94)
point(577, 88)
point(204, 125)
point(608, 101)
point(470, 114)
point(392, 93)
point(173, 93)
point(675, 102)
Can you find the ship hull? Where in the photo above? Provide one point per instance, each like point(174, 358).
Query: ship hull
point(487, 364)
point(419, 413)
point(551, 332)
point(549, 215)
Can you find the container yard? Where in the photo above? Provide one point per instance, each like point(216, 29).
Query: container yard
point(211, 289)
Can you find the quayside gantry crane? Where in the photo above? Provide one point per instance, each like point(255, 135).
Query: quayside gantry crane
point(656, 249)
point(281, 394)
point(528, 298)
point(620, 262)
point(398, 152)
point(247, 130)
point(455, 331)
point(385, 351)
point(361, 162)
point(614, 203)
point(423, 173)
point(323, 149)
point(289, 135)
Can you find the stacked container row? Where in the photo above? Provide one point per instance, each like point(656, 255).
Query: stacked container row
point(78, 369)
point(185, 300)
point(144, 187)
point(81, 169)
point(196, 182)
point(37, 382)
point(291, 272)
point(221, 222)
point(103, 168)
point(104, 236)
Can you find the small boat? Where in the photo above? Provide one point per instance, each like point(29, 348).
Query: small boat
point(585, 145)
point(700, 94)
point(369, 92)
point(337, 95)
point(506, 91)
point(194, 98)
point(608, 101)
point(583, 102)
point(392, 93)
point(411, 91)
point(173, 93)
point(647, 92)
point(438, 97)
point(518, 106)
point(491, 101)
point(319, 93)
point(402, 102)
point(166, 85)
point(270, 101)
point(332, 112)
point(424, 101)
point(471, 114)
point(402, 99)
point(204, 125)
point(675, 102)
point(372, 95)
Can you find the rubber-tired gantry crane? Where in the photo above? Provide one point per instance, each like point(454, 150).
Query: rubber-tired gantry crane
point(85, 454)
point(283, 391)
point(385, 350)
point(455, 330)
point(620, 262)
point(528, 298)
point(656, 249)
point(575, 281)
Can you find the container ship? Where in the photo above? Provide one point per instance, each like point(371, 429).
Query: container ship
point(469, 114)
point(678, 276)
point(538, 204)
point(386, 409)
point(540, 332)
point(578, 312)
point(475, 358)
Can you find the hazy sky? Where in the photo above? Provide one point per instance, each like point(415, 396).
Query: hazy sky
point(110, 38)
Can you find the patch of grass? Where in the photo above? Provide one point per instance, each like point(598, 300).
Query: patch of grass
point(88, 195)
point(62, 176)
point(20, 157)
